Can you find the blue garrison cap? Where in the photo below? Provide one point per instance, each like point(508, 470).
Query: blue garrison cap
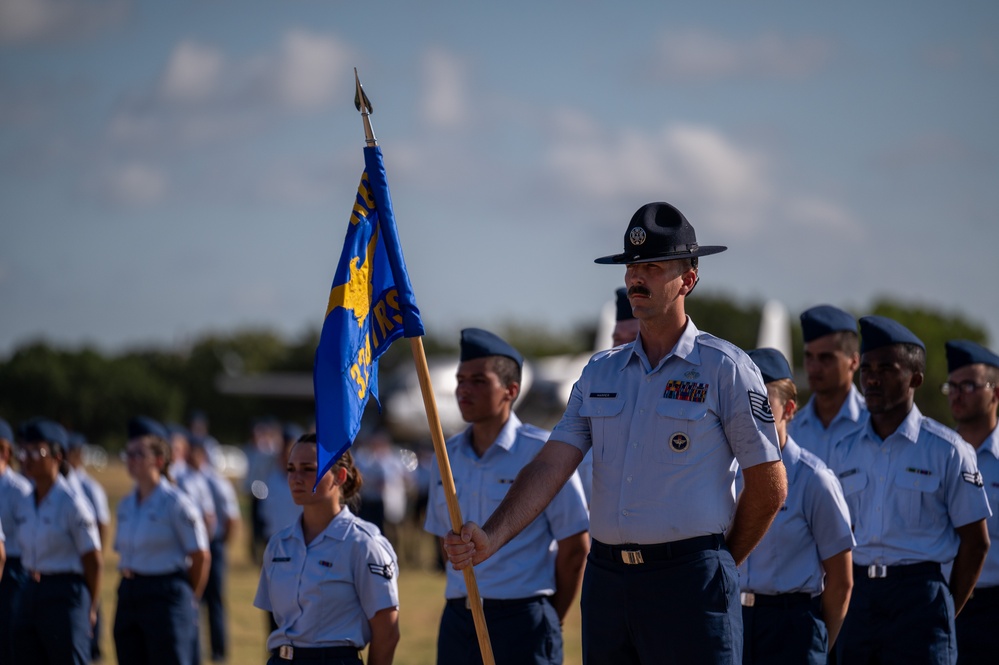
point(145, 426)
point(43, 429)
point(772, 363)
point(5, 431)
point(75, 440)
point(659, 232)
point(962, 352)
point(823, 320)
point(878, 331)
point(204, 442)
point(478, 343)
point(176, 429)
point(624, 311)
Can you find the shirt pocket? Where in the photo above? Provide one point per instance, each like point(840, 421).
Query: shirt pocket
point(678, 435)
point(608, 428)
point(914, 497)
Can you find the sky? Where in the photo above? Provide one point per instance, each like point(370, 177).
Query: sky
point(173, 169)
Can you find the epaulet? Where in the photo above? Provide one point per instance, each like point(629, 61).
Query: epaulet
point(941, 430)
point(726, 347)
point(365, 527)
point(534, 432)
point(811, 460)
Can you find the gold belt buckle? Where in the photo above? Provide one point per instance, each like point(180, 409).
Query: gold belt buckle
point(286, 652)
point(632, 557)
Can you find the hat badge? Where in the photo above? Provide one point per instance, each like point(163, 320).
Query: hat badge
point(637, 235)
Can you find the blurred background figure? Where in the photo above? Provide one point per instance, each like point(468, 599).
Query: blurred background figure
point(13, 488)
point(60, 550)
point(625, 323)
point(261, 453)
point(228, 519)
point(383, 495)
point(91, 490)
point(163, 546)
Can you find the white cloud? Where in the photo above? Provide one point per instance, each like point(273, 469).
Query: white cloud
point(134, 185)
point(444, 101)
point(816, 214)
point(697, 55)
point(192, 73)
point(37, 20)
point(309, 69)
point(679, 162)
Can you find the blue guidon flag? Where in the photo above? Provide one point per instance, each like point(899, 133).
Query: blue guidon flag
point(371, 305)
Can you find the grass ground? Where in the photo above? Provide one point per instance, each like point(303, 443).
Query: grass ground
point(421, 592)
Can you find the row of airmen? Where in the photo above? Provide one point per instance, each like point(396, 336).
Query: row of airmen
point(170, 537)
point(917, 498)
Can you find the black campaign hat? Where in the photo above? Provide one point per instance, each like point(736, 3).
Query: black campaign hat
point(659, 232)
point(878, 331)
point(823, 320)
point(624, 311)
point(478, 343)
point(962, 352)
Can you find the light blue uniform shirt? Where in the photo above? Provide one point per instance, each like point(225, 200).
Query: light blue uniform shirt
point(811, 526)
point(84, 484)
point(195, 486)
point(156, 536)
point(13, 487)
point(988, 465)
point(665, 439)
point(908, 492)
point(223, 497)
point(56, 533)
point(525, 566)
point(807, 429)
point(323, 594)
point(278, 509)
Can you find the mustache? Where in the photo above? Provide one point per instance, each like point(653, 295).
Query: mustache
point(639, 290)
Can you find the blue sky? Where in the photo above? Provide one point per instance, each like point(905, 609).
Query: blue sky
point(168, 169)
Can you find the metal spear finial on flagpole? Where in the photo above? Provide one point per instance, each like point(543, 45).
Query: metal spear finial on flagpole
point(363, 104)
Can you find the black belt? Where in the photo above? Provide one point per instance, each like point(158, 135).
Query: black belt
point(877, 571)
point(289, 653)
point(986, 594)
point(462, 603)
point(128, 574)
point(750, 599)
point(36, 576)
point(637, 554)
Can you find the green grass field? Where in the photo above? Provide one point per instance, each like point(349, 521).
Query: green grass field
point(421, 591)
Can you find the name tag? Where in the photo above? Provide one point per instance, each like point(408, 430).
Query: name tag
point(603, 395)
point(281, 559)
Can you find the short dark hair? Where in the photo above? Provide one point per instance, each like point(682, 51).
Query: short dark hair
point(913, 357)
point(507, 370)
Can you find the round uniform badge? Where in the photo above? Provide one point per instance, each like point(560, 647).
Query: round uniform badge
point(679, 442)
point(637, 235)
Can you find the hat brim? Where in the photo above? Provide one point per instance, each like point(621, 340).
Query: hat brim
point(626, 258)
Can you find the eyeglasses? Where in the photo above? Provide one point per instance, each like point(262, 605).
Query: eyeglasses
point(34, 455)
point(132, 454)
point(966, 387)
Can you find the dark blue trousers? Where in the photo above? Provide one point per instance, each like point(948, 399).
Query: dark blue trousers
point(521, 632)
point(52, 623)
point(783, 630)
point(153, 622)
point(977, 626)
point(11, 585)
point(679, 611)
point(905, 618)
point(214, 600)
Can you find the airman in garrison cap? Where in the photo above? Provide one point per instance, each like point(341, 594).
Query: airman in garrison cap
point(796, 584)
point(916, 502)
point(832, 355)
point(667, 418)
point(972, 390)
point(13, 487)
point(528, 589)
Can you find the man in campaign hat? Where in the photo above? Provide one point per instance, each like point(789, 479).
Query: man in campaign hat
point(916, 502)
point(832, 355)
point(972, 390)
point(530, 586)
point(667, 418)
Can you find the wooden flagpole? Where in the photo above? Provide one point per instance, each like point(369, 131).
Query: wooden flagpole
point(436, 432)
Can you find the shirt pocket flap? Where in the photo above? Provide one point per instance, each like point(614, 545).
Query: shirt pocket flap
point(918, 482)
point(853, 482)
point(672, 408)
point(601, 407)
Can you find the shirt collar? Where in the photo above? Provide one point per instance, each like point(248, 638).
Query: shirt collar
point(504, 439)
point(685, 348)
point(336, 529)
point(991, 444)
point(909, 429)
